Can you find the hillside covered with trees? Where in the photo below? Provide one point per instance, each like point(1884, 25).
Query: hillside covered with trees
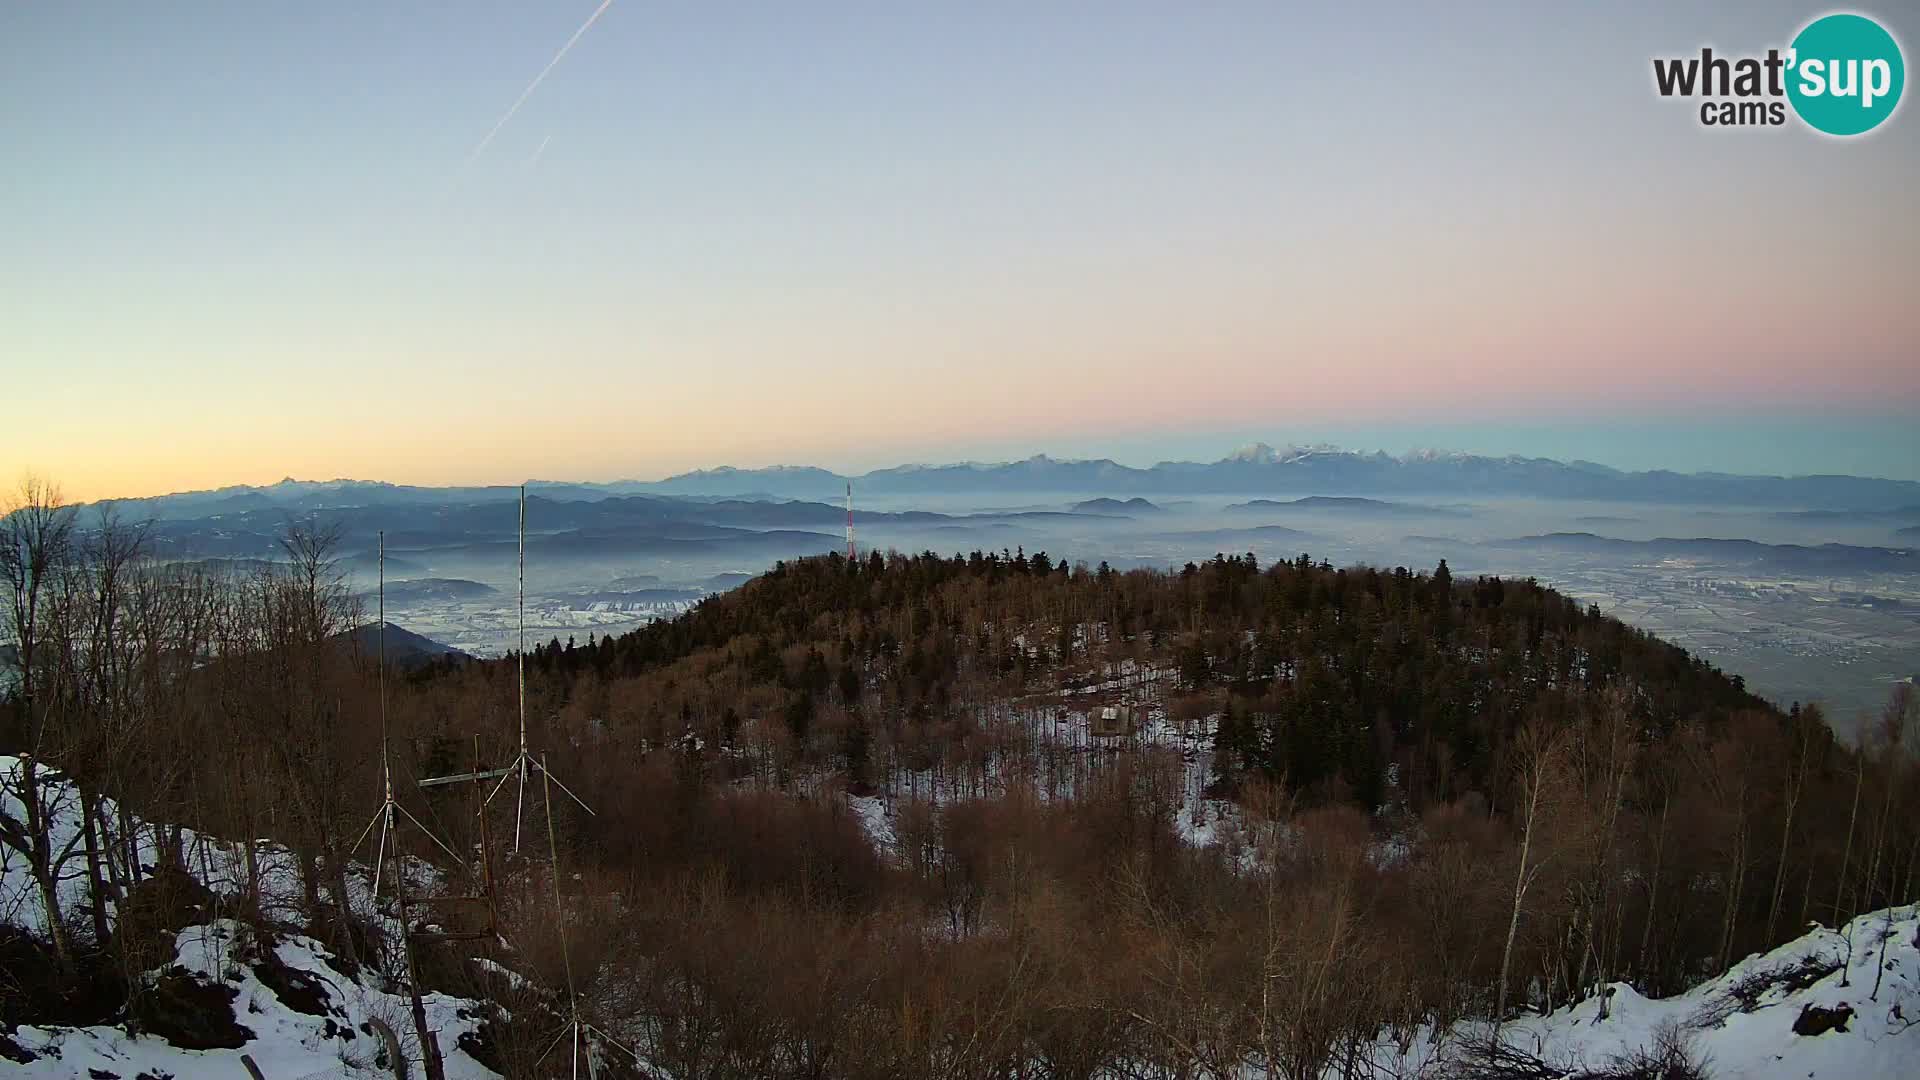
point(873, 818)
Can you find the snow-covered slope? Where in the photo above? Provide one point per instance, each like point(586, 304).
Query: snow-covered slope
point(1832, 1004)
point(297, 1011)
point(229, 989)
point(221, 865)
point(1743, 1024)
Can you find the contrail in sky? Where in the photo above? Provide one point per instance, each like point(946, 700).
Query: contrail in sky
point(537, 79)
point(538, 150)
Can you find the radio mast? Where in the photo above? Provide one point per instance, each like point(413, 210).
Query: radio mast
point(387, 822)
point(524, 763)
point(384, 818)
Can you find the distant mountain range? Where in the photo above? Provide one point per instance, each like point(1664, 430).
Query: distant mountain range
point(1255, 470)
point(1346, 505)
point(1260, 469)
point(1854, 517)
point(439, 540)
point(435, 590)
point(1788, 558)
point(1123, 507)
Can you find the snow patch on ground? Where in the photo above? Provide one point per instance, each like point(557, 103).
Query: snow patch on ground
point(220, 865)
point(288, 1043)
point(871, 812)
point(1742, 1023)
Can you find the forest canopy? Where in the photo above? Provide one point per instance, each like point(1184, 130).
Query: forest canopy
point(856, 817)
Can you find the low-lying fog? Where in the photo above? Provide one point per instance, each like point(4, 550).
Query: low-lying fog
point(1805, 605)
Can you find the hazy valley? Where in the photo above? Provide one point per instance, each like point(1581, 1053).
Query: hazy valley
point(667, 657)
point(1776, 581)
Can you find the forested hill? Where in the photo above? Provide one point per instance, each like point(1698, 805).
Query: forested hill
point(1329, 679)
point(968, 817)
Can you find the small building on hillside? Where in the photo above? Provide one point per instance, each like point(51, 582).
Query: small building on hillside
point(1112, 721)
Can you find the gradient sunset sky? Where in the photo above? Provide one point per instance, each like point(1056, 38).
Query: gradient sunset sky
point(242, 241)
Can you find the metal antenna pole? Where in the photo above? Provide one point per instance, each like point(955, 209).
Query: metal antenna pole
point(384, 817)
point(524, 763)
point(578, 1027)
point(521, 615)
point(553, 861)
point(386, 762)
point(381, 631)
point(560, 917)
point(386, 756)
point(389, 845)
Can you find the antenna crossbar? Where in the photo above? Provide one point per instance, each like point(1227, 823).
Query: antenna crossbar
point(461, 778)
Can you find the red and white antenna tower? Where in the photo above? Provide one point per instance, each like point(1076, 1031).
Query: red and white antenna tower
point(849, 521)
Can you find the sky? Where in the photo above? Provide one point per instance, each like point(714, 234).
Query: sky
point(247, 241)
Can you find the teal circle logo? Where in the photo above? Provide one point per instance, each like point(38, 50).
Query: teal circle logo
point(1845, 74)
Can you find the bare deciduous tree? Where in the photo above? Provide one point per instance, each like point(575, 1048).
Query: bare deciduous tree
point(36, 544)
point(1540, 780)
